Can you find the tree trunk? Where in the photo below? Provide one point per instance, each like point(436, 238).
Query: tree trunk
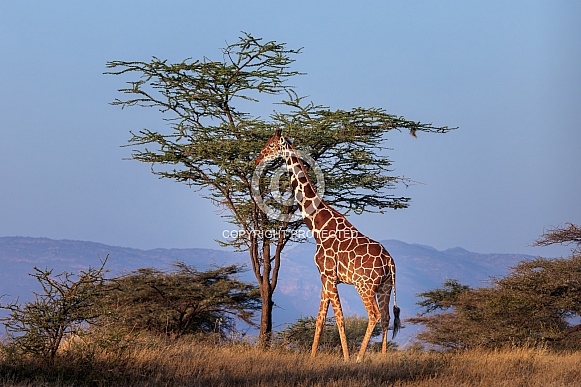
point(266, 314)
point(266, 291)
point(267, 276)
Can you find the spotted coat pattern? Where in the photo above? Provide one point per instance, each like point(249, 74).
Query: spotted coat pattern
point(344, 255)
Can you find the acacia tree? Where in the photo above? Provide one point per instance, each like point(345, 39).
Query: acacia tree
point(532, 304)
point(211, 142)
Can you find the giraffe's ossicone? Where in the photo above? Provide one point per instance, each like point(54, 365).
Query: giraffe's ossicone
point(344, 255)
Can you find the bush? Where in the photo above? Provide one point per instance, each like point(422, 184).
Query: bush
point(66, 304)
point(299, 335)
point(181, 301)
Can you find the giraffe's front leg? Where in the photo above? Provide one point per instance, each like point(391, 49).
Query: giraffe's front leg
point(339, 320)
point(328, 294)
point(321, 317)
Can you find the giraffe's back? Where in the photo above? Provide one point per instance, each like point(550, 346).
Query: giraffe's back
point(354, 259)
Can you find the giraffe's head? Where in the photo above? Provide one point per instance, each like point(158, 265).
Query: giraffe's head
point(273, 148)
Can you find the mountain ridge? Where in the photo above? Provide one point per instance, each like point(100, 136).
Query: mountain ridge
point(419, 268)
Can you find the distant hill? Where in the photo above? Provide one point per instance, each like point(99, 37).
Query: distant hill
point(419, 268)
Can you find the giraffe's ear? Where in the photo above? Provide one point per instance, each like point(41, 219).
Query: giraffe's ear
point(290, 141)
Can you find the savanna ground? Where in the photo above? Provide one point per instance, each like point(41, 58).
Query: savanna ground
point(158, 362)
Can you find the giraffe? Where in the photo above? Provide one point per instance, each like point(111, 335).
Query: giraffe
point(343, 255)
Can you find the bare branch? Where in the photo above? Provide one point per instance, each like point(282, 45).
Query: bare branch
point(565, 235)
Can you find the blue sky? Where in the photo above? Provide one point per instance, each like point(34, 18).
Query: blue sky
point(506, 73)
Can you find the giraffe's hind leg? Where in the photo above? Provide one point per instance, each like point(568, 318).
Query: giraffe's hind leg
point(383, 294)
point(373, 312)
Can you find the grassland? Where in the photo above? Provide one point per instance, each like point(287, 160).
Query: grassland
point(157, 362)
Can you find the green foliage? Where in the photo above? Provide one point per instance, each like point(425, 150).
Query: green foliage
point(299, 335)
point(442, 298)
point(66, 304)
point(182, 301)
point(531, 305)
point(212, 142)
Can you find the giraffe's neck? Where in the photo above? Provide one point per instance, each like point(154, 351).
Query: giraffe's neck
point(309, 201)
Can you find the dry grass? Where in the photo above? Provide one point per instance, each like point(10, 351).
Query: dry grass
point(154, 362)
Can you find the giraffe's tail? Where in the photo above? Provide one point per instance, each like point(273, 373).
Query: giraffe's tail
point(396, 320)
